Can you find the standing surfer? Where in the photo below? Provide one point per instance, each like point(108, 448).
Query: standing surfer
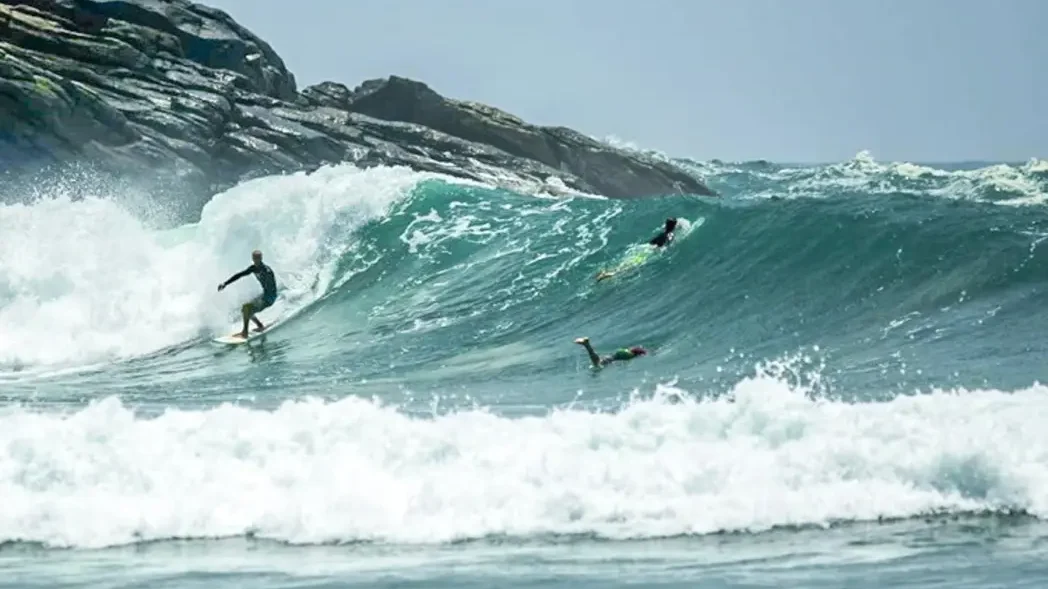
point(269, 290)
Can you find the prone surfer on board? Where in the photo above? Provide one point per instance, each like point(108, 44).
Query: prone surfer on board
point(621, 354)
point(269, 291)
point(664, 238)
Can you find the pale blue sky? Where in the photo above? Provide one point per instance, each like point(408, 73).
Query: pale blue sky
point(785, 80)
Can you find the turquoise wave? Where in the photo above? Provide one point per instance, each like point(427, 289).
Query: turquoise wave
point(421, 384)
point(879, 278)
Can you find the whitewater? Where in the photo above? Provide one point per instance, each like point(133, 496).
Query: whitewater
point(844, 384)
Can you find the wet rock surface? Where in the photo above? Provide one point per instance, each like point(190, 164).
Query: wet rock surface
point(181, 96)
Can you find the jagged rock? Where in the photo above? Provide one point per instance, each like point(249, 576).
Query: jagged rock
point(610, 171)
point(181, 96)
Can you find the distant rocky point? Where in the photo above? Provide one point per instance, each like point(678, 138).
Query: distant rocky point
point(180, 94)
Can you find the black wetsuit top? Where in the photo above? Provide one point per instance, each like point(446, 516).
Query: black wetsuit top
point(265, 277)
point(662, 239)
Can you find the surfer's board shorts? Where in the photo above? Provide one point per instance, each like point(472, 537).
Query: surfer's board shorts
point(260, 303)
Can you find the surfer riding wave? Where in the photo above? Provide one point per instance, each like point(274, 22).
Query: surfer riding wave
point(267, 279)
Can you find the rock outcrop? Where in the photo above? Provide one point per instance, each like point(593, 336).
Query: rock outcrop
point(182, 95)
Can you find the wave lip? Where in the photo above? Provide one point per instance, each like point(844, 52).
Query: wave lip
point(314, 472)
point(87, 281)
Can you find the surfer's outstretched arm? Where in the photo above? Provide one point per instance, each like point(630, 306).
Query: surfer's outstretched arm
point(594, 358)
point(235, 277)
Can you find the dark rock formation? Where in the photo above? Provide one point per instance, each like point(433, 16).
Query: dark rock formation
point(181, 95)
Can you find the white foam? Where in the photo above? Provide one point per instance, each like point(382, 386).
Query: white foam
point(353, 470)
point(999, 184)
point(631, 146)
point(87, 281)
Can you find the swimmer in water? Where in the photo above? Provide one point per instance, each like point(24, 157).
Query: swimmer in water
point(620, 355)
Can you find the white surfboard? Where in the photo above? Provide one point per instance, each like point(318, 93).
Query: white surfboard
point(234, 338)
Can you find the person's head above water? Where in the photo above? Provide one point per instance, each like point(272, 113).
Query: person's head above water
point(256, 257)
point(671, 224)
point(638, 351)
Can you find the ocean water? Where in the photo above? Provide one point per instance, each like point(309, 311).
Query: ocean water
point(843, 387)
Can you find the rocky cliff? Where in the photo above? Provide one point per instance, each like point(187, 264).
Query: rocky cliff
point(180, 94)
